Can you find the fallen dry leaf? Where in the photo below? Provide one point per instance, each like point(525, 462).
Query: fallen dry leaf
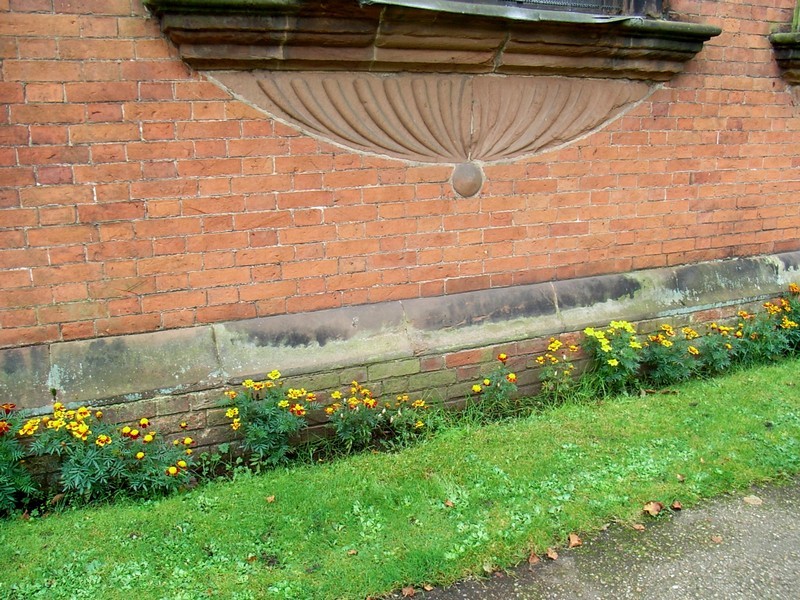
point(427, 587)
point(408, 592)
point(488, 568)
point(449, 503)
point(270, 499)
point(574, 541)
point(753, 500)
point(680, 477)
point(717, 539)
point(352, 552)
point(676, 505)
point(533, 559)
point(638, 527)
point(653, 508)
point(551, 554)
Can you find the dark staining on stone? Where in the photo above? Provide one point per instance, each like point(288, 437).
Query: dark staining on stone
point(790, 260)
point(295, 338)
point(594, 290)
point(12, 362)
point(103, 353)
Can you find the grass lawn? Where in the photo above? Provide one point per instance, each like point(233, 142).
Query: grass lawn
point(468, 501)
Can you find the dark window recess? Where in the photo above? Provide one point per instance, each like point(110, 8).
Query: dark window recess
point(595, 7)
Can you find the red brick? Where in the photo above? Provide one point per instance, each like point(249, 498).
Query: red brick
point(94, 133)
point(169, 264)
point(101, 92)
point(173, 300)
point(21, 24)
point(29, 335)
point(128, 324)
point(66, 274)
point(112, 211)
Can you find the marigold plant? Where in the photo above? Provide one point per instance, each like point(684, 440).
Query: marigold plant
point(616, 354)
point(15, 481)
point(495, 394)
point(267, 415)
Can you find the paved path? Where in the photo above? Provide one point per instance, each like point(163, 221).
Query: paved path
point(745, 546)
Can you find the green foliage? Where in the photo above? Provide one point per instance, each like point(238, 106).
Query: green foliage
point(97, 461)
point(268, 416)
point(15, 481)
point(616, 355)
point(494, 397)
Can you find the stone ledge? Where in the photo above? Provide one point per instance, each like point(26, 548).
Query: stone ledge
point(352, 36)
point(787, 54)
point(176, 362)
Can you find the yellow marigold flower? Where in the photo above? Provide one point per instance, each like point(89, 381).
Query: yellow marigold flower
point(728, 347)
point(184, 425)
point(144, 423)
point(404, 398)
point(512, 377)
point(613, 362)
point(182, 464)
point(298, 410)
point(125, 430)
point(419, 425)
point(666, 328)
point(236, 424)
point(540, 360)
point(133, 434)
point(230, 394)
point(337, 395)
point(30, 427)
point(187, 441)
point(666, 343)
point(148, 438)
point(311, 397)
point(787, 323)
point(743, 314)
point(419, 404)
point(188, 452)
point(248, 383)
point(98, 414)
point(554, 345)
point(283, 404)
point(502, 357)
point(172, 470)
point(102, 440)
point(487, 382)
point(58, 406)
point(139, 455)
point(693, 351)
point(352, 402)
point(476, 388)
point(794, 288)
point(82, 413)
point(274, 375)
point(176, 442)
point(635, 345)
point(258, 386)
point(370, 402)
point(574, 348)
point(232, 412)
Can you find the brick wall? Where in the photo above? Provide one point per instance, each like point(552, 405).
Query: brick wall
point(137, 196)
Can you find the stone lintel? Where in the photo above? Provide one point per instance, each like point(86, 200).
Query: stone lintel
point(301, 35)
point(359, 338)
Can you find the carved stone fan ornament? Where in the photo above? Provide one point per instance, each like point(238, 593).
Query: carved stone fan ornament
point(430, 81)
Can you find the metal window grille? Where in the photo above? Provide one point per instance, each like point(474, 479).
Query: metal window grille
point(600, 7)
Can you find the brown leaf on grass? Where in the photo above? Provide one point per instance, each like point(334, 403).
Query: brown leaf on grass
point(574, 541)
point(352, 552)
point(427, 587)
point(533, 559)
point(551, 554)
point(408, 591)
point(717, 539)
point(653, 508)
point(270, 499)
point(251, 558)
point(56, 499)
point(680, 477)
point(638, 527)
point(753, 500)
point(449, 503)
point(676, 505)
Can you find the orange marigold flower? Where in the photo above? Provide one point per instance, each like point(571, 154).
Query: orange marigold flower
point(419, 404)
point(133, 434)
point(512, 377)
point(144, 423)
point(298, 410)
point(98, 414)
point(370, 402)
point(4, 427)
point(126, 431)
point(102, 440)
point(8, 407)
point(502, 357)
point(236, 424)
point(693, 351)
point(230, 394)
point(794, 288)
